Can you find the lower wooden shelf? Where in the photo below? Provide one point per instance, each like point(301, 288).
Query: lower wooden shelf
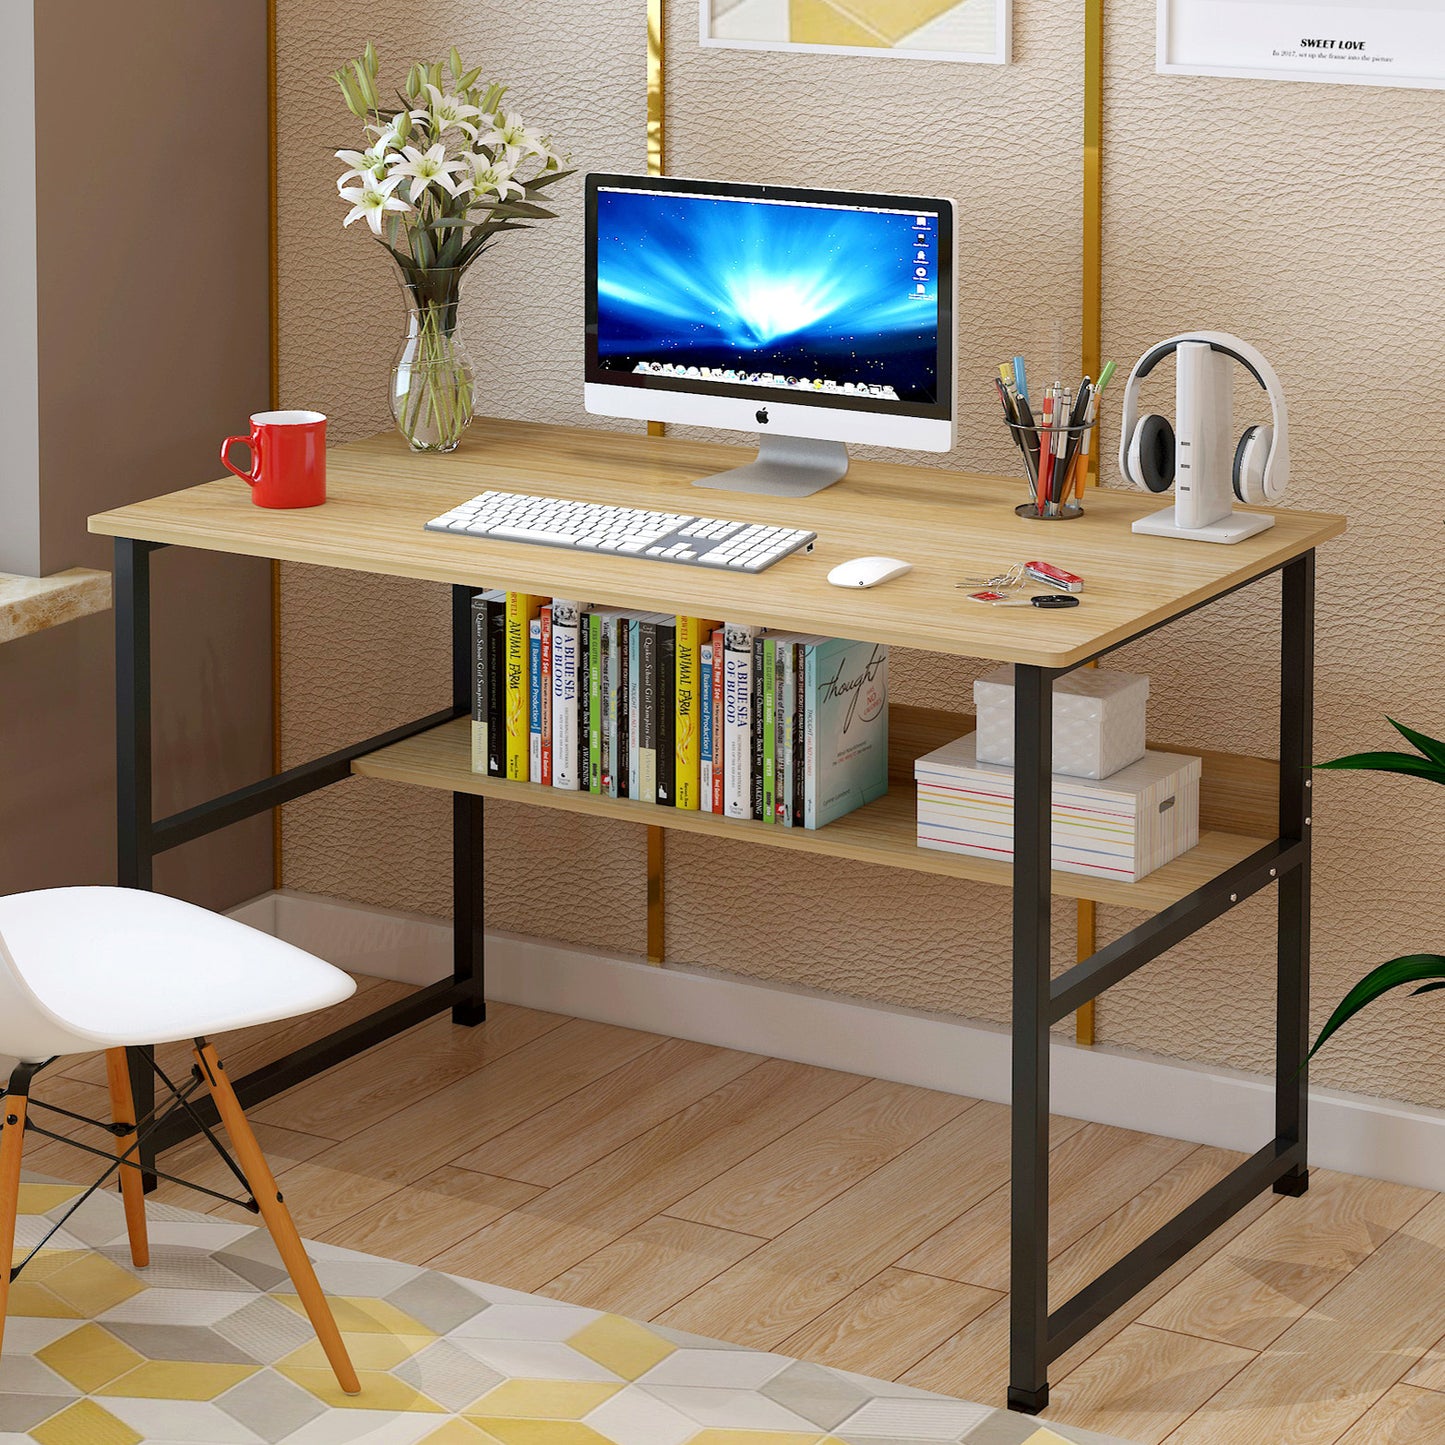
point(1237, 811)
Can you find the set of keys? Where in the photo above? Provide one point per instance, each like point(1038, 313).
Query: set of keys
point(996, 591)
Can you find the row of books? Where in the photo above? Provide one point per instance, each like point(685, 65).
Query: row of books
point(682, 712)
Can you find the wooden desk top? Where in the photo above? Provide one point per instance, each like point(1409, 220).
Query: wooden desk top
point(949, 525)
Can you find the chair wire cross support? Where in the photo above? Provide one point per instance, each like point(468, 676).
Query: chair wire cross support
point(129, 1136)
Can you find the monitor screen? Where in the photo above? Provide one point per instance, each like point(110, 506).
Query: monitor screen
point(831, 298)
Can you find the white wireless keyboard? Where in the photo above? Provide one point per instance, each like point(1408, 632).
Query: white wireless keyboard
point(592, 527)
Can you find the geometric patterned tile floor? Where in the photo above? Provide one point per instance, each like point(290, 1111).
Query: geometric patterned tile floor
point(207, 1346)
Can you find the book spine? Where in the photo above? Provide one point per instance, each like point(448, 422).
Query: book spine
point(718, 726)
point(565, 647)
point(756, 714)
point(737, 722)
point(787, 652)
point(687, 748)
point(770, 730)
point(800, 680)
point(534, 700)
point(479, 685)
point(584, 703)
point(810, 738)
point(634, 709)
point(704, 727)
point(544, 761)
point(519, 694)
point(619, 709)
point(594, 703)
point(607, 694)
point(647, 708)
point(496, 688)
point(667, 714)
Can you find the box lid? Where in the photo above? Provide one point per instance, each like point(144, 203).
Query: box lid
point(1154, 768)
point(1090, 682)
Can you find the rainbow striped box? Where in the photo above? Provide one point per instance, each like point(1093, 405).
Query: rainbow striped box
point(1121, 827)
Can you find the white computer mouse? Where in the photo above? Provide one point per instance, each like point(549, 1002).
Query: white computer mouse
point(867, 571)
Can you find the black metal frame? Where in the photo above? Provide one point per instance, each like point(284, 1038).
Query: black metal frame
point(141, 837)
point(1037, 1337)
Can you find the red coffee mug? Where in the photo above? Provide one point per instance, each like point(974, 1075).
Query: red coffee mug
point(288, 458)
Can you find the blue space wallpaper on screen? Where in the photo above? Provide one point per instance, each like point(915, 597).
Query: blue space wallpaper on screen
point(806, 291)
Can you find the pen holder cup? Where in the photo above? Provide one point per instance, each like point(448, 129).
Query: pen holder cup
point(1062, 454)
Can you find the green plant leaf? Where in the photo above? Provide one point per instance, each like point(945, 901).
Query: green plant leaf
point(1406, 763)
point(1430, 747)
point(1428, 988)
point(1399, 971)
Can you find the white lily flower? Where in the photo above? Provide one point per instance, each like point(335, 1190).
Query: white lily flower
point(371, 161)
point(429, 167)
point(448, 111)
point(494, 179)
point(371, 200)
point(511, 133)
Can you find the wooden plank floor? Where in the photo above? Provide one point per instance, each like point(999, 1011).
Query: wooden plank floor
point(843, 1219)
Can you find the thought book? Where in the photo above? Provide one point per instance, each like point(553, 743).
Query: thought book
point(845, 728)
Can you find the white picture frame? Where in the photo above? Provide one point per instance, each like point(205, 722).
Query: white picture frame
point(1332, 42)
point(974, 32)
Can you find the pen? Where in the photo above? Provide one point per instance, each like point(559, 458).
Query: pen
point(1046, 454)
point(1021, 383)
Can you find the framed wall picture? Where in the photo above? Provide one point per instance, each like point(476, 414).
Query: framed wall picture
point(967, 30)
point(1381, 42)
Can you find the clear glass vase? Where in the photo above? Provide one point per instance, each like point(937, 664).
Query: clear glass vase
point(431, 381)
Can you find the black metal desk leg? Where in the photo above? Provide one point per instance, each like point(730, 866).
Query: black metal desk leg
point(1029, 1274)
point(1296, 749)
point(133, 804)
point(468, 901)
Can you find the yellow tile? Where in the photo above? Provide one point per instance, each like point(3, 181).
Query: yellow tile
point(623, 1346)
point(1045, 1437)
point(89, 1357)
point(84, 1423)
point(459, 1432)
point(178, 1380)
point(42, 1198)
point(815, 22)
point(367, 1351)
point(379, 1391)
point(30, 1297)
point(93, 1284)
point(545, 1399)
point(361, 1316)
point(893, 19)
point(543, 1432)
point(50, 1261)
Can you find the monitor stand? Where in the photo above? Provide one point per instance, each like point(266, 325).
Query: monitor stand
point(785, 467)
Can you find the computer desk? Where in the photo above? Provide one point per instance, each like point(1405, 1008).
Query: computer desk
point(950, 525)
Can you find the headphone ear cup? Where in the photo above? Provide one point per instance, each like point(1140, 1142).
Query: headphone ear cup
point(1151, 454)
point(1250, 457)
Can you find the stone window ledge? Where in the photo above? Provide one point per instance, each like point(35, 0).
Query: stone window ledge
point(31, 604)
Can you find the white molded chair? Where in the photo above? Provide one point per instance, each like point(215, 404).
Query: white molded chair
point(84, 969)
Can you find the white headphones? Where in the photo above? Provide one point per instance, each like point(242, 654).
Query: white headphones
point(1261, 459)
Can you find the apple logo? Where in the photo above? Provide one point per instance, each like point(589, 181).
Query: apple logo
point(762, 415)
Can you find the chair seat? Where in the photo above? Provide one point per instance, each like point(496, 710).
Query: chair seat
point(117, 966)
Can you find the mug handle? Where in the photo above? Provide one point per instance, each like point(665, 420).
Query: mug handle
point(252, 441)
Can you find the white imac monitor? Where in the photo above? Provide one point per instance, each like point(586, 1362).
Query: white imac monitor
point(812, 318)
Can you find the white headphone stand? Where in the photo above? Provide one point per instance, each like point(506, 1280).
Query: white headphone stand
point(1233, 528)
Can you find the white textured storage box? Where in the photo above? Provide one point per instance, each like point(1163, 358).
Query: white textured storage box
point(1123, 827)
point(1099, 719)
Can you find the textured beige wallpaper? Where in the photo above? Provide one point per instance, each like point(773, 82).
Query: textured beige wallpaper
point(1295, 215)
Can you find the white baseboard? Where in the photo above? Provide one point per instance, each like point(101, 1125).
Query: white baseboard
point(1226, 1108)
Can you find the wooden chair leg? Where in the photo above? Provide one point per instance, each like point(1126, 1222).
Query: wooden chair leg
point(277, 1217)
point(132, 1186)
point(12, 1142)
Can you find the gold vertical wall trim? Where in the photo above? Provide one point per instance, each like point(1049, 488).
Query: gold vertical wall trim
point(273, 286)
point(656, 164)
point(1093, 349)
